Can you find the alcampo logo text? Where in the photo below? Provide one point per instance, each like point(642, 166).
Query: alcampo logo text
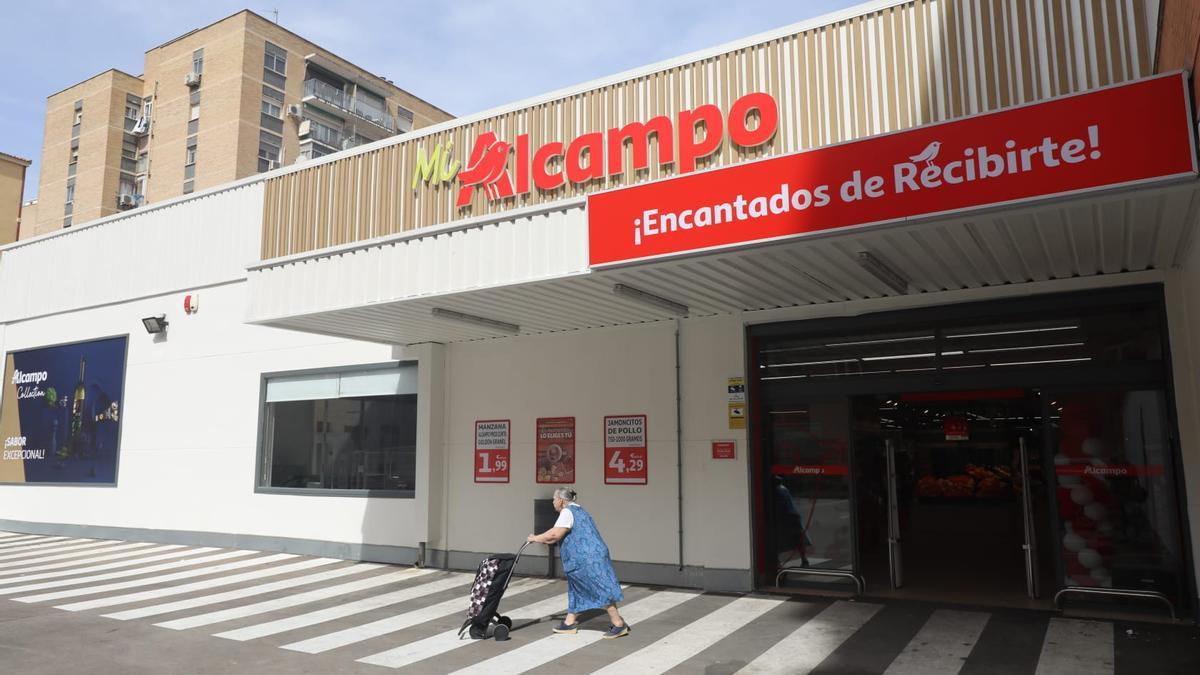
point(691, 136)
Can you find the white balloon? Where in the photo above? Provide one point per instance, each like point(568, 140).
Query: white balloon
point(1073, 542)
point(1092, 447)
point(1090, 558)
point(1096, 511)
point(1082, 495)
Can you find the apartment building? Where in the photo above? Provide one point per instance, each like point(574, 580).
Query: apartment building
point(12, 185)
point(237, 97)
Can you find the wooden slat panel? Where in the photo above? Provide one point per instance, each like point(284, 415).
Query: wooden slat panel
point(916, 63)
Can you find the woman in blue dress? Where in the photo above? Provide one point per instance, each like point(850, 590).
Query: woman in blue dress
point(591, 581)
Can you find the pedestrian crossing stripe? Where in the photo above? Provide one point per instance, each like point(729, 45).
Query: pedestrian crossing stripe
point(347, 609)
point(325, 604)
point(37, 564)
point(399, 622)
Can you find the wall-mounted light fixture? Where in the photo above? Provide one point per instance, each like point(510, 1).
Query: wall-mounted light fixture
point(502, 326)
point(883, 272)
point(155, 324)
point(637, 294)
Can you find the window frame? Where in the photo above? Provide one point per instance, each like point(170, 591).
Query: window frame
point(277, 56)
point(258, 476)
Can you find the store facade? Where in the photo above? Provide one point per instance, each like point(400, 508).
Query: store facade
point(909, 275)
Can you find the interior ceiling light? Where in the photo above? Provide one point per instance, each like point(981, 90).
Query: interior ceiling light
point(1014, 332)
point(883, 272)
point(637, 294)
point(501, 326)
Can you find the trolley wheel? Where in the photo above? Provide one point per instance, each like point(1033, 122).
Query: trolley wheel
point(501, 632)
point(505, 621)
point(477, 633)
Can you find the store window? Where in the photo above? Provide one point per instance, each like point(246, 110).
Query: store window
point(1118, 518)
point(344, 431)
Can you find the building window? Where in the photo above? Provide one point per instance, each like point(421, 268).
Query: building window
point(273, 94)
point(190, 157)
point(195, 113)
point(70, 192)
point(274, 65)
point(198, 61)
point(126, 185)
point(133, 111)
point(129, 150)
point(275, 59)
point(78, 118)
point(270, 108)
point(353, 430)
point(269, 151)
point(189, 186)
point(67, 221)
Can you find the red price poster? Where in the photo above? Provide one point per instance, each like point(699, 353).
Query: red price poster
point(492, 450)
point(556, 450)
point(625, 450)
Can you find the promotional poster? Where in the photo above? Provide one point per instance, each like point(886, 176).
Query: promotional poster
point(556, 450)
point(60, 414)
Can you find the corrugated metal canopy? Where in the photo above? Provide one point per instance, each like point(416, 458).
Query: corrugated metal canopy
point(1084, 236)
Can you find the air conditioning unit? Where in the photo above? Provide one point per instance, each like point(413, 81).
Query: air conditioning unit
point(192, 79)
point(126, 200)
point(304, 129)
point(142, 127)
point(348, 143)
point(293, 110)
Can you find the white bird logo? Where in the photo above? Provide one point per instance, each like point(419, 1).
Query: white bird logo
point(928, 154)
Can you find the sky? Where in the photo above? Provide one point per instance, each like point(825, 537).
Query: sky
point(463, 56)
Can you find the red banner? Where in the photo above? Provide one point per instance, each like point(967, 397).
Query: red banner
point(556, 450)
point(493, 450)
point(1100, 139)
point(1109, 470)
point(625, 450)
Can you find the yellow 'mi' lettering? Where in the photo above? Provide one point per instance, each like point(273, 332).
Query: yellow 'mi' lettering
point(438, 167)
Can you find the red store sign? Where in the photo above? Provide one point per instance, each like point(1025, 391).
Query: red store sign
point(1121, 135)
point(724, 450)
point(493, 450)
point(625, 450)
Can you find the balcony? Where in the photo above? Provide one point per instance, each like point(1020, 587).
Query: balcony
point(325, 92)
point(330, 99)
point(313, 131)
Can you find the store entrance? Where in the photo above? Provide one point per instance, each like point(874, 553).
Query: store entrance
point(1010, 452)
point(955, 494)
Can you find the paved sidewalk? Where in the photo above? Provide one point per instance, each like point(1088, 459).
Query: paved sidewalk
point(94, 606)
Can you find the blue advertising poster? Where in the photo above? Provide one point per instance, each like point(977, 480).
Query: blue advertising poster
point(60, 413)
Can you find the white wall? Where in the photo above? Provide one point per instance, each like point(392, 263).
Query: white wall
point(189, 431)
point(586, 375)
point(1183, 316)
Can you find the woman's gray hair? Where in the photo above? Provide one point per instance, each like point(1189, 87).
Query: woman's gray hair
point(565, 493)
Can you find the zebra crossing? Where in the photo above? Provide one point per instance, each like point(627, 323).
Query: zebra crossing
point(374, 616)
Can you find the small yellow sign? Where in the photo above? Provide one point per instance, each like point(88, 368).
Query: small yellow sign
point(737, 403)
point(737, 416)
